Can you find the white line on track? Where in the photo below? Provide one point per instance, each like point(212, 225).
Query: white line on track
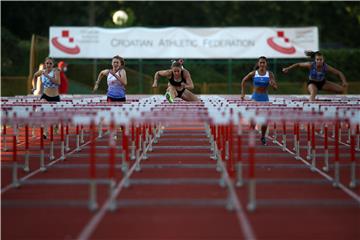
point(10, 186)
point(326, 176)
point(240, 213)
point(96, 219)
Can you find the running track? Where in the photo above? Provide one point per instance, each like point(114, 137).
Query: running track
point(177, 194)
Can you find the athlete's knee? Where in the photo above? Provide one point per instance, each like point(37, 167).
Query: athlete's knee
point(341, 90)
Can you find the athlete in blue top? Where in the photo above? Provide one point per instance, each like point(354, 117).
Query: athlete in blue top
point(116, 80)
point(262, 78)
point(317, 75)
point(180, 82)
point(50, 79)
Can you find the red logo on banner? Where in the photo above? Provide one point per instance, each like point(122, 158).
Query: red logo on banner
point(65, 43)
point(281, 43)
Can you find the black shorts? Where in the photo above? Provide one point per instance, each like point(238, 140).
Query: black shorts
point(111, 99)
point(318, 84)
point(180, 93)
point(50, 99)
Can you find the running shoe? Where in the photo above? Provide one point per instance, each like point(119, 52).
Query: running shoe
point(169, 97)
point(263, 141)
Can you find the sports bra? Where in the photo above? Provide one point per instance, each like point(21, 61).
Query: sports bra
point(47, 83)
point(314, 75)
point(261, 80)
point(175, 83)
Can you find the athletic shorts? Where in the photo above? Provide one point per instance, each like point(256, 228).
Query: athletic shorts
point(50, 99)
point(318, 84)
point(111, 99)
point(260, 97)
point(180, 93)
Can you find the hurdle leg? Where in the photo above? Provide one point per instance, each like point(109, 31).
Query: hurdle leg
point(51, 156)
point(67, 141)
point(26, 162)
point(239, 175)
point(82, 134)
point(15, 181)
point(352, 183)
point(92, 204)
point(336, 142)
point(222, 181)
point(326, 150)
point(284, 137)
point(112, 205)
point(4, 148)
point(144, 156)
point(275, 134)
point(62, 144)
point(42, 152)
point(33, 134)
point(251, 206)
point(77, 138)
point(227, 150)
point(133, 149)
point(357, 148)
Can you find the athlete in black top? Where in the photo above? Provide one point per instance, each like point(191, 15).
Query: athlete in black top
point(180, 83)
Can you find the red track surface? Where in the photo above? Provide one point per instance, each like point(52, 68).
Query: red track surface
point(160, 203)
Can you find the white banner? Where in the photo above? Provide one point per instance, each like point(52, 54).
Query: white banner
point(182, 42)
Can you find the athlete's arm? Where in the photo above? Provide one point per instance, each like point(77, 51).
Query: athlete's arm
point(189, 82)
point(246, 78)
point(273, 81)
point(35, 77)
point(101, 74)
point(158, 74)
point(339, 74)
point(296, 65)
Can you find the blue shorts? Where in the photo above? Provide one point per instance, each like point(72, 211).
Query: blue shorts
point(260, 97)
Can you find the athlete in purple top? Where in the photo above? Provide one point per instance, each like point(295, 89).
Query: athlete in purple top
point(317, 75)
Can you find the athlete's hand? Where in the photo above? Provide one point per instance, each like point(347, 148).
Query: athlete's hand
point(95, 87)
point(154, 85)
point(345, 84)
point(285, 70)
point(115, 74)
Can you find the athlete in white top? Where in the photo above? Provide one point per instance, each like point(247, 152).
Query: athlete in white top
point(50, 78)
point(116, 80)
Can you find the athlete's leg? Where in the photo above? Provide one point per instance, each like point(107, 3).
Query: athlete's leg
point(189, 96)
point(170, 93)
point(313, 91)
point(333, 87)
point(263, 132)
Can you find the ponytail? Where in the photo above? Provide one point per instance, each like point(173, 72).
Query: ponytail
point(177, 63)
point(312, 54)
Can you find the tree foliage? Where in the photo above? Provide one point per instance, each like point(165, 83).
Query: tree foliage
point(338, 22)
